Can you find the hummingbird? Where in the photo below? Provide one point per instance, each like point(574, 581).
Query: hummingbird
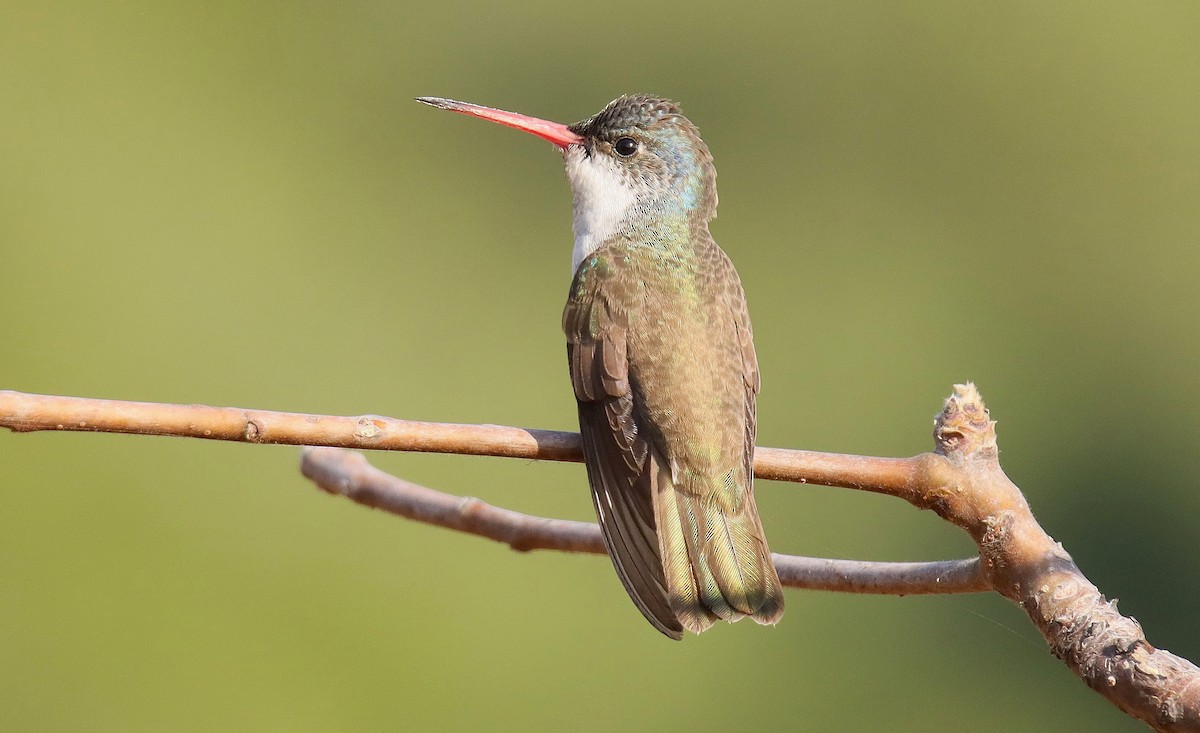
point(662, 363)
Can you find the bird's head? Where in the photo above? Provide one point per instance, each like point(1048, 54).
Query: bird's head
point(637, 161)
point(644, 145)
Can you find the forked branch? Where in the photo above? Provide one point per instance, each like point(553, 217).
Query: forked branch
point(961, 481)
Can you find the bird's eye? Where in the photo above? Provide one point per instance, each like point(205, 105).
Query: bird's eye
point(625, 147)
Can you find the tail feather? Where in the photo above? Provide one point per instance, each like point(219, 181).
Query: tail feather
point(675, 548)
point(715, 558)
point(738, 573)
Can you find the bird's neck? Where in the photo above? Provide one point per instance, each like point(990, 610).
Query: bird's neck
point(599, 214)
point(610, 203)
point(653, 226)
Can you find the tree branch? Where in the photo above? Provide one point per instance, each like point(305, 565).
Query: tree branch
point(961, 482)
point(23, 412)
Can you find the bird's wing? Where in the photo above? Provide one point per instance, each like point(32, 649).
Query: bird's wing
point(770, 607)
point(750, 375)
point(621, 466)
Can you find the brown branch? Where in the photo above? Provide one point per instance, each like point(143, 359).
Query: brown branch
point(348, 474)
point(962, 482)
point(23, 412)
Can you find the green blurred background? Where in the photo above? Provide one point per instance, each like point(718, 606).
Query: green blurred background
point(240, 204)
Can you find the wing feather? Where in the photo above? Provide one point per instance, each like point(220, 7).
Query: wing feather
point(620, 471)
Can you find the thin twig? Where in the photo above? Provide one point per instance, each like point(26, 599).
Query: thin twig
point(348, 474)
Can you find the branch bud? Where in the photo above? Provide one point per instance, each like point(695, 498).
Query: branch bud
point(964, 429)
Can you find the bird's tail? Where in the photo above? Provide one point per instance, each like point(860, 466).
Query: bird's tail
point(714, 553)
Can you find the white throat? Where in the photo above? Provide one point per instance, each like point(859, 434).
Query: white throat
point(602, 201)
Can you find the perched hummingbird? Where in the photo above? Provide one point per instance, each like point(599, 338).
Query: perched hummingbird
point(662, 363)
